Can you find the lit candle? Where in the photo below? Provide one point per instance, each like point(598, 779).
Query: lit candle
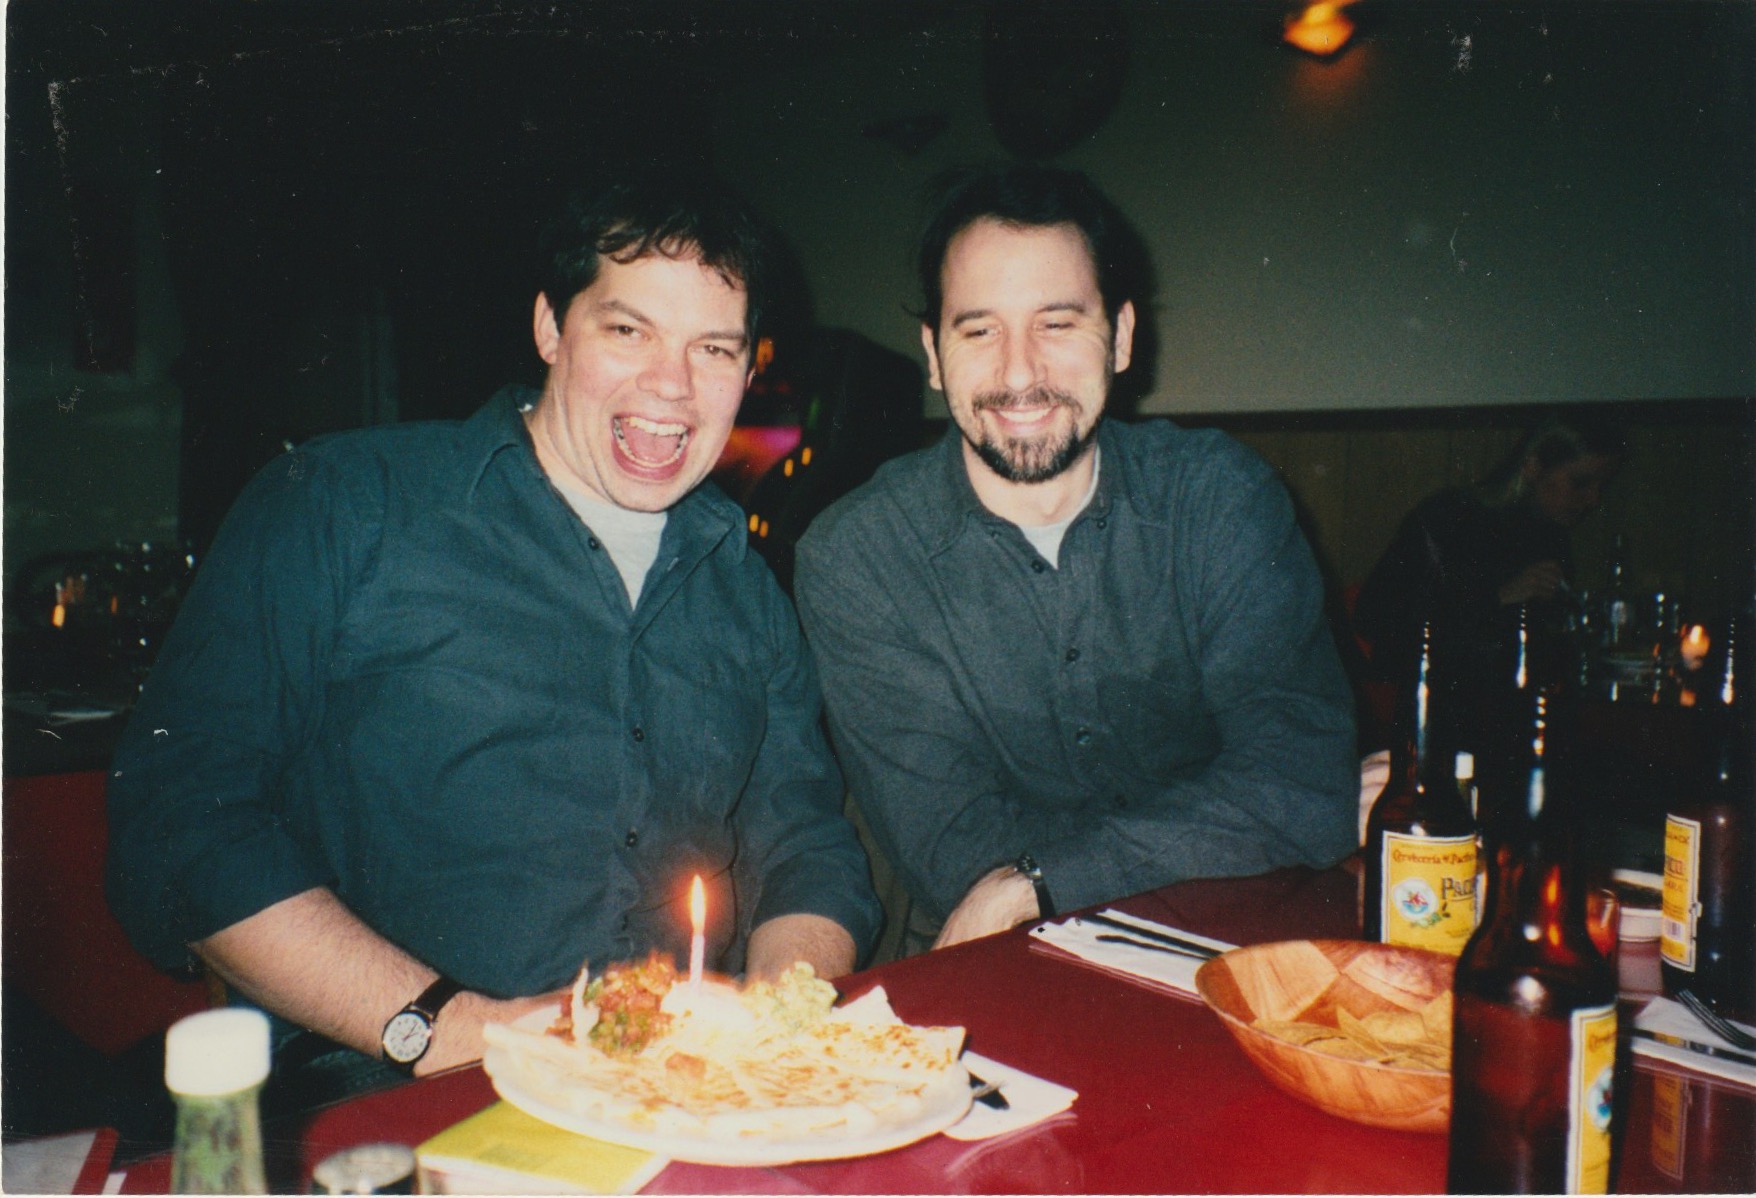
point(1695, 645)
point(698, 926)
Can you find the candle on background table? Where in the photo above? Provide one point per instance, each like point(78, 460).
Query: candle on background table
point(1695, 646)
point(697, 933)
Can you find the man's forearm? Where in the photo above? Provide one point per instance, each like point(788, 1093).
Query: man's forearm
point(779, 943)
point(312, 961)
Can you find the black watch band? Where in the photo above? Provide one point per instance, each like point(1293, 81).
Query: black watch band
point(1027, 867)
point(409, 1033)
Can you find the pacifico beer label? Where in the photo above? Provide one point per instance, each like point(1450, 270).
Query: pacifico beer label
point(1676, 937)
point(1429, 896)
point(1670, 1113)
point(1591, 1073)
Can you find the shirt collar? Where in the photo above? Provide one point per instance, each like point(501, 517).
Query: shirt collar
point(957, 506)
point(498, 428)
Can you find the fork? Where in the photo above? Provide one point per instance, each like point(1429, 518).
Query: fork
point(1716, 1023)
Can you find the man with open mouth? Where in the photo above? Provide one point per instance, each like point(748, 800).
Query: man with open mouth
point(455, 707)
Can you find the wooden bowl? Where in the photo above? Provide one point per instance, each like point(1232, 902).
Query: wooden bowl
point(1314, 981)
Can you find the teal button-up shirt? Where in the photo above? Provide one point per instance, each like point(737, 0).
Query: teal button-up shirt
point(408, 672)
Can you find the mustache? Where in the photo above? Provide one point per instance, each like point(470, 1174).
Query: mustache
point(1036, 397)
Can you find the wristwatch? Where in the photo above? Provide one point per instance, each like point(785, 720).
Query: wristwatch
point(1027, 867)
point(409, 1033)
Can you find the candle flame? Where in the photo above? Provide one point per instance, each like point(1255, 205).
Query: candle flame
point(697, 906)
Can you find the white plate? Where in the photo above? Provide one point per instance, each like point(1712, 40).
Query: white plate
point(945, 1105)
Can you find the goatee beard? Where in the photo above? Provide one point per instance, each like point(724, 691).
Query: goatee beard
point(1034, 460)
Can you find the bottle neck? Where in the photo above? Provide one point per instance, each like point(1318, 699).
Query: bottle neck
point(1532, 885)
point(1411, 749)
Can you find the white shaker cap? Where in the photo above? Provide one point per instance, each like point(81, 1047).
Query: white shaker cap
point(217, 1052)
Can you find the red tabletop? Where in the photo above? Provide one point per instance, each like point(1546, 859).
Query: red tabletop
point(1167, 1103)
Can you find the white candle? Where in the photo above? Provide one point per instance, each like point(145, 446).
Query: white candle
point(1695, 645)
point(697, 935)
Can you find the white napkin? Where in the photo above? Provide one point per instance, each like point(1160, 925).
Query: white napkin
point(1674, 1019)
point(1029, 1100)
point(1169, 970)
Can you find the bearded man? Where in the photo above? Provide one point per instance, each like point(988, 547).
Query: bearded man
point(1065, 659)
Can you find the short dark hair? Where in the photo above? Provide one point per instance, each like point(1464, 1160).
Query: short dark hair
point(676, 213)
point(1028, 196)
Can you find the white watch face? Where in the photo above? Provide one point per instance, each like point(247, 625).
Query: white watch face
point(406, 1036)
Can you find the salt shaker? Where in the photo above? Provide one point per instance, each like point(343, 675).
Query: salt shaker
point(215, 1064)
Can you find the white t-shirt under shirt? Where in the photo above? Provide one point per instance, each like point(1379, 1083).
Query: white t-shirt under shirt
point(1046, 538)
point(630, 538)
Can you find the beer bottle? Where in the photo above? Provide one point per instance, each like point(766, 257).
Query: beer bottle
point(1534, 1030)
point(1708, 917)
point(1420, 850)
point(1618, 601)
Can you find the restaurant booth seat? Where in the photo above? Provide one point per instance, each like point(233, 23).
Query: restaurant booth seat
point(85, 1012)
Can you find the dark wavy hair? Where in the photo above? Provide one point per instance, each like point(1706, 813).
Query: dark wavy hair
point(676, 213)
point(1028, 196)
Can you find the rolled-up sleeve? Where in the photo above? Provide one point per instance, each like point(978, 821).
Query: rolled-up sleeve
point(197, 840)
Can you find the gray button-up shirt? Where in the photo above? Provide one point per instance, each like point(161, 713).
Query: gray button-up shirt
point(1167, 704)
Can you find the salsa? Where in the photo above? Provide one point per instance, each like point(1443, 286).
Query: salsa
point(627, 998)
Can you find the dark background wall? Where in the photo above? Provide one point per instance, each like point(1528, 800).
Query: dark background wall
point(230, 225)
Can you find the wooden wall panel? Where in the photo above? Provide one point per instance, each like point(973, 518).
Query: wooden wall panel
point(1682, 502)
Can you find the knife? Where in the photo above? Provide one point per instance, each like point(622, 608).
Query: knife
point(1706, 1050)
point(1155, 947)
point(988, 1094)
point(1188, 946)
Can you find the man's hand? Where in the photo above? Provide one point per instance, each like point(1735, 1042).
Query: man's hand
point(1539, 580)
point(457, 1033)
point(778, 944)
point(1002, 899)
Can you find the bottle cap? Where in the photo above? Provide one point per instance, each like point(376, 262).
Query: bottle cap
point(217, 1052)
point(1465, 765)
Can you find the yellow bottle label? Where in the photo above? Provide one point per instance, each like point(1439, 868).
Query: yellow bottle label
point(1590, 1090)
point(1670, 1113)
point(1680, 905)
point(1429, 897)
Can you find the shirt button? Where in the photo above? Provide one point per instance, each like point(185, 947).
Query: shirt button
point(633, 837)
point(1103, 521)
point(1072, 655)
point(639, 733)
point(593, 542)
point(1039, 565)
point(1082, 737)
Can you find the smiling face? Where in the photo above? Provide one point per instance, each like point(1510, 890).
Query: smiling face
point(1024, 351)
point(646, 372)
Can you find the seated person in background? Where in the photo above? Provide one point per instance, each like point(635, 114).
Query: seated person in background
point(1467, 557)
point(1066, 660)
point(454, 707)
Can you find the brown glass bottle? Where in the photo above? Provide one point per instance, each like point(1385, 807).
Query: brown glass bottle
point(1420, 850)
point(1709, 918)
point(1534, 1032)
